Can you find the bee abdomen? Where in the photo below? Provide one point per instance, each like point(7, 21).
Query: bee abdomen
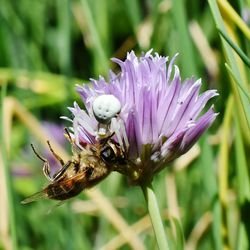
point(63, 192)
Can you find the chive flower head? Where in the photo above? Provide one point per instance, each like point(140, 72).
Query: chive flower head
point(156, 116)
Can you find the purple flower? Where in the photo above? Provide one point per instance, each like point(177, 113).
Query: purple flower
point(161, 115)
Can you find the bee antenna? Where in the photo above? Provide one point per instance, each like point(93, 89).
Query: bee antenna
point(75, 148)
point(68, 135)
point(39, 156)
point(55, 155)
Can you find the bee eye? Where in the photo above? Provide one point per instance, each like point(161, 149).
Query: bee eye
point(108, 154)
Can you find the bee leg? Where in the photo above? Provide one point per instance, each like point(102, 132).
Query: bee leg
point(46, 171)
point(75, 148)
point(68, 136)
point(46, 166)
point(55, 155)
point(60, 174)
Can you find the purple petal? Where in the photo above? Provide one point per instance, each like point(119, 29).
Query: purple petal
point(171, 147)
point(167, 107)
point(184, 106)
point(201, 102)
point(134, 135)
point(195, 132)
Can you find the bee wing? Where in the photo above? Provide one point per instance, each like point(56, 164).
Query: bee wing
point(53, 208)
point(77, 177)
point(43, 194)
point(35, 197)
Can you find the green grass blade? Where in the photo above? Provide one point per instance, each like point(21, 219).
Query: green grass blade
point(179, 235)
point(243, 189)
point(238, 50)
point(243, 240)
point(231, 60)
point(241, 167)
point(216, 226)
point(102, 24)
point(186, 48)
point(245, 91)
point(134, 13)
point(8, 181)
point(223, 171)
point(95, 36)
point(64, 35)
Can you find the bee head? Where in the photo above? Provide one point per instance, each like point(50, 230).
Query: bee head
point(108, 154)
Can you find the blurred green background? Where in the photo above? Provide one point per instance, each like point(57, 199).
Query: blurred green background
point(46, 47)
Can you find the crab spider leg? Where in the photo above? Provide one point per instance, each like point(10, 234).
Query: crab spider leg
point(124, 134)
point(120, 132)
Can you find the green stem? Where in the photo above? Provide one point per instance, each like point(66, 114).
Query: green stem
point(155, 216)
point(12, 215)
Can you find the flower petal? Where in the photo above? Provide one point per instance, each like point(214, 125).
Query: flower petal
point(195, 132)
point(134, 135)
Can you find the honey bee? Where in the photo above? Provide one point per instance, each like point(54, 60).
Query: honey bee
point(87, 167)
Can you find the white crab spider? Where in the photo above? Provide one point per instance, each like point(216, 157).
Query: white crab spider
point(106, 109)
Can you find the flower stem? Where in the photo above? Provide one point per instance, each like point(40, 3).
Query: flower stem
point(155, 216)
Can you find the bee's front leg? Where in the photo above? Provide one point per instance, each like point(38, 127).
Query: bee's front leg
point(61, 173)
point(46, 170)
point(58, 175)
point(46, 166)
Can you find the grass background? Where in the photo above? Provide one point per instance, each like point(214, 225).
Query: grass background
point(46, 47)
